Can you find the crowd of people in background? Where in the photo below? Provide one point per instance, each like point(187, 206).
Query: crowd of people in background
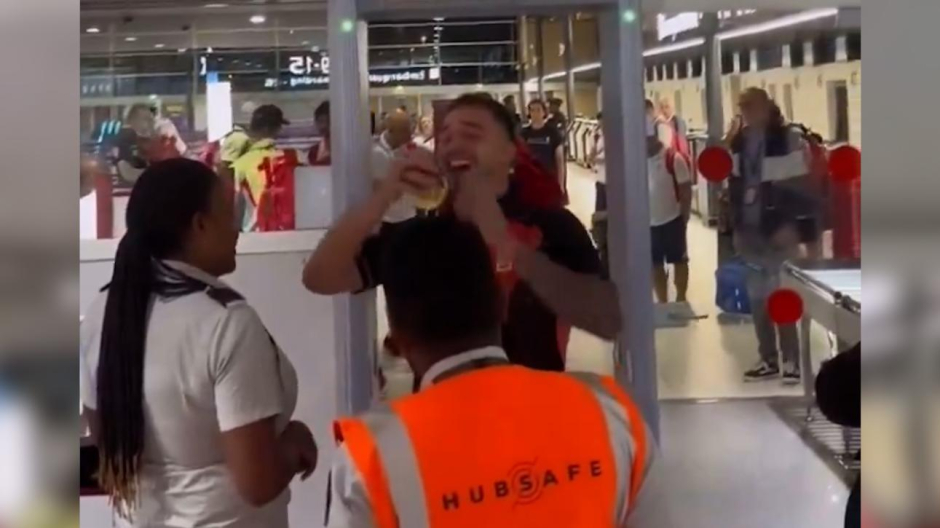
point(772, 217)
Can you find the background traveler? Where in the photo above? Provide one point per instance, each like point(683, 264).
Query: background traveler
point(545, 142)
point(387, 146)
point(765, 200)
point(676, 127)
point(131, 147)
point(260, 168)
point(670, 191)
point(320, 152)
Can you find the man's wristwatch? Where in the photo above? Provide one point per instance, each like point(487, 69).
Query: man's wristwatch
point(506, 254)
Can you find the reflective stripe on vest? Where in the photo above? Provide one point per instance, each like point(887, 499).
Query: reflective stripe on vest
point(381, 448)
point(625, 425)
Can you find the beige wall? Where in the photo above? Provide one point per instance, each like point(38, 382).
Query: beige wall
point(810, 87)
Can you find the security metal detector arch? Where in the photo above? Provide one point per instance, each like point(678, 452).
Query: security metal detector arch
point(624, 121)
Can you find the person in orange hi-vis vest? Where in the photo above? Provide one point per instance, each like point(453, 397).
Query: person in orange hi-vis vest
point(485, 443)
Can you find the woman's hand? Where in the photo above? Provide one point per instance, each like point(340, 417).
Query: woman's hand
point(302, 448)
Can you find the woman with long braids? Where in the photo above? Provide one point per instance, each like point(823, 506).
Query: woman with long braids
point(188, 397)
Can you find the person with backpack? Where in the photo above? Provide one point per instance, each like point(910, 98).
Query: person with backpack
point(676, 128)
point(771, 214)
point(263, 174)
point(670, 188)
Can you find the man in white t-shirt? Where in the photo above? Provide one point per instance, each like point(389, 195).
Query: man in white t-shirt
point(670, 188)
point(397, 134)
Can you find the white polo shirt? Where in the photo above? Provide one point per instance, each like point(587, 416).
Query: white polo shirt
point(664, 205)
point(382, 156)
point(209, 367)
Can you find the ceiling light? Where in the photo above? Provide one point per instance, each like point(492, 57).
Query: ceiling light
point(181, 50)
point(215, 6)
point(159, 45)
point(258, 19)
point(686, 44)
point(778, 23)
point(130, 39)
point(93, 30)
point(305, 43)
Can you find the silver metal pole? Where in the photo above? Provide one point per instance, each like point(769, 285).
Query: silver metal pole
point(627, 189)
point(354, 323)
point(522, 60)
point(569, 65)
point(540, 56)
point(714, 111)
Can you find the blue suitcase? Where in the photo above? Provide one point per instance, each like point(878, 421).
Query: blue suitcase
point(731, 291)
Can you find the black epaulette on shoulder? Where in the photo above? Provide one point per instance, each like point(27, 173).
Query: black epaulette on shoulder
point(224, 296)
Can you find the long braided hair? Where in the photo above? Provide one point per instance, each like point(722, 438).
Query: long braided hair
point(159, 214)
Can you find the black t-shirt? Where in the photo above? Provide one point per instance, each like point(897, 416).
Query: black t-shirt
point(531, 331)
point(125, 146)
point(559, 122)
point(543, 142)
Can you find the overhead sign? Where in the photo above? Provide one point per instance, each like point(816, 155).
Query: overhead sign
point(303, 73)
point(300, 65)
point(669, 26)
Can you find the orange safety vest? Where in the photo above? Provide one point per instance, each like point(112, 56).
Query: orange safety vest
point(502, 446)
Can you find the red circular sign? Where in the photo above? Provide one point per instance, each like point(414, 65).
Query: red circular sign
point(785, 306)
point(715, 164)
point(845, 163)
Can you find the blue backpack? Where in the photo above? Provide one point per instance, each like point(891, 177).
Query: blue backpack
point(731, 291)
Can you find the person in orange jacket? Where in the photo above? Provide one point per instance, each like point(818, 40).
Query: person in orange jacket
point(484, 442)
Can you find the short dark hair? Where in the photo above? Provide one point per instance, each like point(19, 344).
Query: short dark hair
point(267, 118)
point(486, 102)
point(650, 105)
point(538, 102)
point(322, 110)
point(439, 282)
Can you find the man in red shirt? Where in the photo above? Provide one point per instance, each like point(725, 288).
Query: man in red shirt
point(541, 254)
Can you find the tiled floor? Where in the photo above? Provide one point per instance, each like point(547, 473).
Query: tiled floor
point(736, 465)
